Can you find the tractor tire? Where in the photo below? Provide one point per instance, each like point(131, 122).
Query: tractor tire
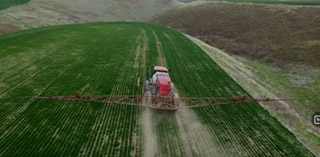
point(176, 100)
point(146, 87)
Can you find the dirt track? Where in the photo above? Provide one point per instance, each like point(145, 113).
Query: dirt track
point(193, 137)
point(196, 137)
point(150, 138)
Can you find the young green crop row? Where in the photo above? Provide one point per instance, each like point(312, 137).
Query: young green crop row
point(63, 62)
point(115, 58)
point(165, 128)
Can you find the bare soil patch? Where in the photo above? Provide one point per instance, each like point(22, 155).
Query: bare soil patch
point(196, 137)
point(149, 135)
point(161, 59)
point(5, 28)
point(276, 34)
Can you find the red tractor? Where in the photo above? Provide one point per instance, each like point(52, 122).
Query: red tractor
point(159, 91)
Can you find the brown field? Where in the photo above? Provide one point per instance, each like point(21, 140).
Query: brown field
point(277, 34)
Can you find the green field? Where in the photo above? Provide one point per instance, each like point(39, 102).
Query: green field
point(113, 58)
point(8, 3)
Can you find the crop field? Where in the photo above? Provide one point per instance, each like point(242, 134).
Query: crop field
point(115, 58)
point(8, 3)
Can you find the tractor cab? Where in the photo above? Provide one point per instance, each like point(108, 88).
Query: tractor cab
point(160, 69)
point(163, 85)
point(160, 81)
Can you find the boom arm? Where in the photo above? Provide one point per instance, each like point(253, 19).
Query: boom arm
point(137, 100)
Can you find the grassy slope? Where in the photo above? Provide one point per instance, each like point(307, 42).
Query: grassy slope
point(252, 76)
point(108, 10)
point(8, 3)
point(85, 58)
point(39, 13)
point(54, 12)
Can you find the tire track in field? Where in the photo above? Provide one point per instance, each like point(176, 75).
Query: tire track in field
point(161, 59)
point(149, 130)
point(140, 65)
point(113, 143)
point(137, 50)
point(125, 89)
point(149, 136)
point(196, 137)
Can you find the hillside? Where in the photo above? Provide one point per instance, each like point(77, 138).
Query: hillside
point(277, 45)
point(112, 58)
point(255, 78)
point(277, 34)
point(38, 13)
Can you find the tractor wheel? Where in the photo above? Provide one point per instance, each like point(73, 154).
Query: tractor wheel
point(176, 100)
point(147, 99)
point(146, 87)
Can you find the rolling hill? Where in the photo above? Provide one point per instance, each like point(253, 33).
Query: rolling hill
point(38, 13)
point(277, 34)
point(112, 58)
